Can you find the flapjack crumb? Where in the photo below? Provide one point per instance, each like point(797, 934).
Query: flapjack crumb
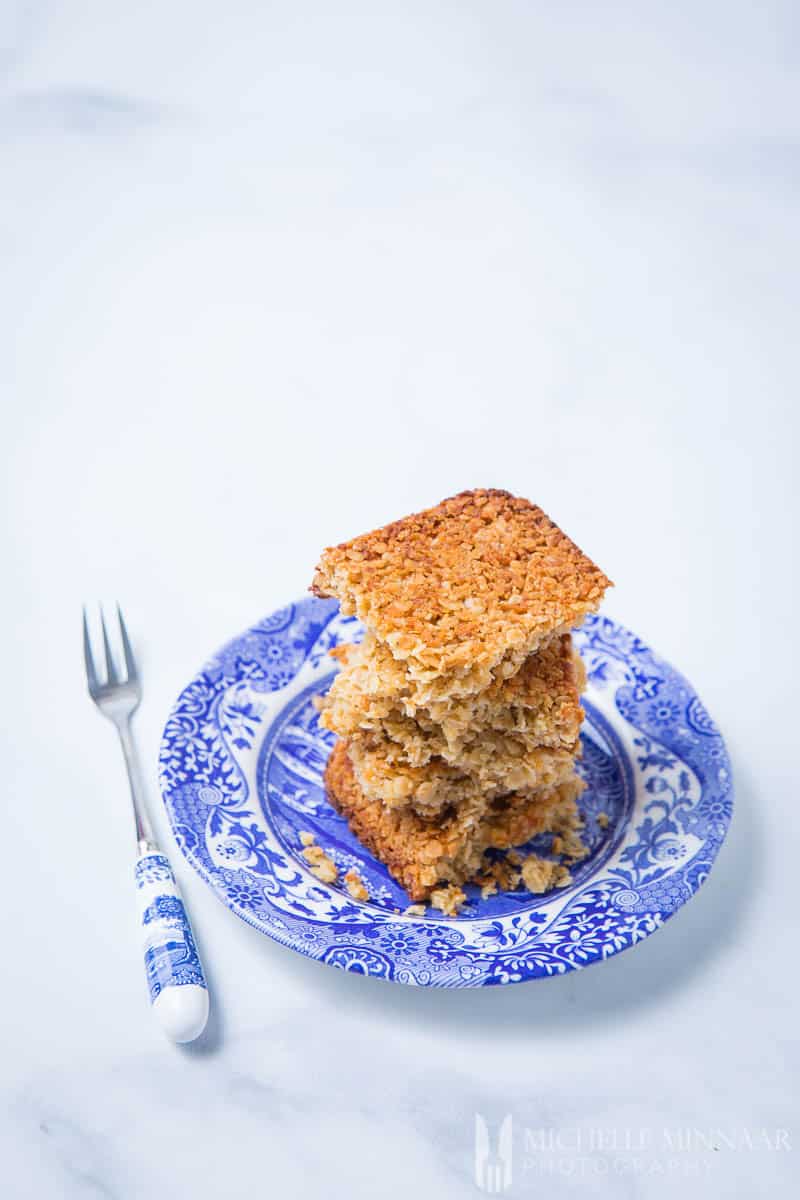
point(498, 876)
point(355, 885)
point(321, 864)
point(448, 899)
point(541, 875)
point(567, 841)
point(602, 820)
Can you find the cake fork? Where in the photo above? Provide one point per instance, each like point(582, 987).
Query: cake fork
point(178, 991)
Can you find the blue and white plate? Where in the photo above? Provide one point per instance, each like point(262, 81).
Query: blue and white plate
point(242, 758)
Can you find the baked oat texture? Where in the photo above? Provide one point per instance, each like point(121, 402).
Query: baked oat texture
point(538, 706)
point(421, 854)
point(455, 589)
point(448, 899)
point(540, 874)
point(320, 863)
point(494, 766)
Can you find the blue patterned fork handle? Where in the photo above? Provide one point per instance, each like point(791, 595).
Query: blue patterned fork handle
point(175, 977)
point(178, 991)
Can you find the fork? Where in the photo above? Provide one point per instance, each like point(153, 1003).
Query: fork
point(178, 991)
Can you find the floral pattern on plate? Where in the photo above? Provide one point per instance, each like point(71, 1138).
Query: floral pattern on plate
point(242, 758)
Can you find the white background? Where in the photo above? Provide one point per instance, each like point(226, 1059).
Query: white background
point(272, 274)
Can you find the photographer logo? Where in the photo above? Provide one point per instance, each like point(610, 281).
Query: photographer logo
point(493, 1161)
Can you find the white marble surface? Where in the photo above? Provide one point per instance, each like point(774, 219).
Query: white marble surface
point(272, 274)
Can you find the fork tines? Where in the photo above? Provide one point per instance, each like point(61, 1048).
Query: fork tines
point(112, 678)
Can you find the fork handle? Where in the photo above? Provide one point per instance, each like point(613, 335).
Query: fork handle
point(178, 991)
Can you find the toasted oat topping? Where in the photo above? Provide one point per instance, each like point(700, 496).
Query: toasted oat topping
point(454, 588)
